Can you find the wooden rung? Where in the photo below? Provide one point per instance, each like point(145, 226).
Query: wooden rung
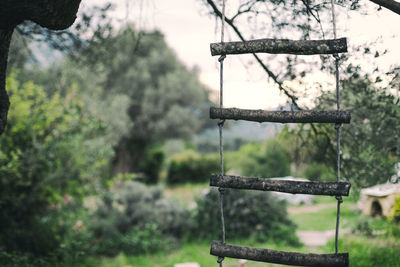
point(281, 46)
point(285, 186)
point(299, 116)
point(279, 257)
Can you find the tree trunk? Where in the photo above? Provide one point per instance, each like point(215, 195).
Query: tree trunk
point(51, 14)
point(5, 39)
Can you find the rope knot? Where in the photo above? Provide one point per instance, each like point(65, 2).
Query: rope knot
point(336, 56)
point(221, 123)
point(337, 126)
point(340, 199)
point(220, 259)
point(221, 190)
point(221, 58)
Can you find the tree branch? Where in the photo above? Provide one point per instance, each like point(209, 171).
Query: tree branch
point(285, 186)
point(265, 68)
point(280, 257)
point(299, 116)
point(280, 46)
point(389, 4)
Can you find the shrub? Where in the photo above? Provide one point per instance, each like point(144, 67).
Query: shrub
point(190, 166)
point(46, 152)
point(319, 172)
point(395, 213)
point(151, 165)
point(135, 219)
point(269, 159)
point(247, 214)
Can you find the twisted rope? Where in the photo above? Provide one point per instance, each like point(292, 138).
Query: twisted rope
point(220, 126)
point(338, 130)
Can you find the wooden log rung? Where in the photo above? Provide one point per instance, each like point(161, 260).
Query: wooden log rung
point(285, 186)
point(299, 116)
point(279, 257)
point(281, 46)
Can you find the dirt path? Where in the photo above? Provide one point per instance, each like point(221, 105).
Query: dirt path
point(318, 238)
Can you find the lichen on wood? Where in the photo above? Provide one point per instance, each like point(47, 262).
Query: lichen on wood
point(281, 46)
point(299, 116)
point(286, 186)
point(279, 257)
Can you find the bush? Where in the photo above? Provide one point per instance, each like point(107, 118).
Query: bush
point(151, 165)
point(135, 219)
point(319, 172)
point(269, 159)
point(395, 213)
point(190, 166)
point(247, 214)
point(46, 152)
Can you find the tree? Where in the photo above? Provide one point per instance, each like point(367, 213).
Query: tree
point(389, 4)
point(51, 14)
point(166, 99)
point(370, 144)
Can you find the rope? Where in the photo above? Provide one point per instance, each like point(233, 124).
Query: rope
point(220, 126)
point(338, 128)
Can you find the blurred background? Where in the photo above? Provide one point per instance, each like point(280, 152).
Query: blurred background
point(108, 150)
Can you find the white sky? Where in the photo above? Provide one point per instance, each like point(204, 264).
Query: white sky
point(189, 31)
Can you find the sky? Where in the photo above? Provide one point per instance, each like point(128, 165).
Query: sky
point(189, 31)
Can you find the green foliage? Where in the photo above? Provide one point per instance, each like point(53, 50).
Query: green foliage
point(370, 144)
point(166, 99)
point(46, 153)
point(151, 165)
point(269, 159)
point(395, 213)
point(368, 252)
point(319, 172)
point(135, 219)
point(190, 166)
point(247, 214)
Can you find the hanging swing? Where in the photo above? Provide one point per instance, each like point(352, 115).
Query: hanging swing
point(337, 117)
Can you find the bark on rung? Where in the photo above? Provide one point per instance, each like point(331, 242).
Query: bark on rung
point(279, 257)
point(285, 186)
point(300, 116)
point(281, 46)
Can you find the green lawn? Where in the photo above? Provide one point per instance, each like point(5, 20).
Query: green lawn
point(325, 219)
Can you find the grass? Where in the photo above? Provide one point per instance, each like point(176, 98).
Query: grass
point(369, 251)
point(325, 218)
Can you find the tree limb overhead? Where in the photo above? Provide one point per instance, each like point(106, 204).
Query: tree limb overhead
point(389, 4)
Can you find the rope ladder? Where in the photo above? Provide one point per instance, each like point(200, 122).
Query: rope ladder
point(337, 117)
